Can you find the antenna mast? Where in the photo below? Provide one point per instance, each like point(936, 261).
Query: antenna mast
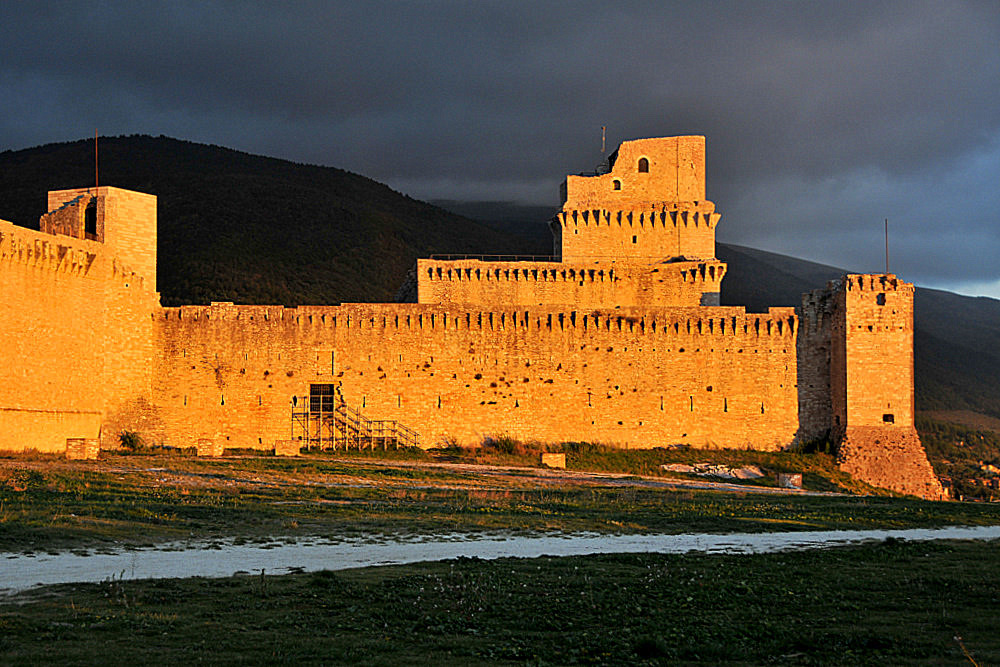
point(887, 245)
point(97, 180)
point(604, 130)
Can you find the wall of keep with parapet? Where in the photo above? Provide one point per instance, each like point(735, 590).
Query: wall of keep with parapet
point(649, 233)
point(76, 336)
point(718, 377)
point(584, 285)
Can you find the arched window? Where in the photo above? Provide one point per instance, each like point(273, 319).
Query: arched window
point(616, 184)
point(643, 165)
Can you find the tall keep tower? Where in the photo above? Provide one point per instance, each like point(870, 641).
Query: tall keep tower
point(638, 232)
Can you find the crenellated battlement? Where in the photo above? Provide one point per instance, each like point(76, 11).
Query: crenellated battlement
point(666, 214)
point(875, 282)
point(693, 321)
point(40, 250)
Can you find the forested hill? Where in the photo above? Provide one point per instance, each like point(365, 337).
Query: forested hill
point(251, 229)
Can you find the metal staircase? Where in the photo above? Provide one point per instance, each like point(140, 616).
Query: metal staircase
point(324, 420)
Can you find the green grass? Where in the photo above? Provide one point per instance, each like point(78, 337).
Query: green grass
point(959, 452)
point(140, 500)
point(885, 603)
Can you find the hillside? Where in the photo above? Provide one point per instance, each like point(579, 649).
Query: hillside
point(250, 229)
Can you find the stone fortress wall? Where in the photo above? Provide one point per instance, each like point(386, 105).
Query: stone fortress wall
point(635, 378)
point(618, 338)
point(77, 329)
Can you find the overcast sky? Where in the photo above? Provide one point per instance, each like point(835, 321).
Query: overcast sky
point(822, 119)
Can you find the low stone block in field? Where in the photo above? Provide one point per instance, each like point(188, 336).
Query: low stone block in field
point(78, 449)
point(288, 448)
point(790, 480)
point(551, 460)
point(209, 447)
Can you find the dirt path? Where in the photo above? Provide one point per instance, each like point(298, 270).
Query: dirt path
point(468, 476)
point(559, 476)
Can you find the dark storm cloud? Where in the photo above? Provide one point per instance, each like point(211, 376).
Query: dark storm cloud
point(822, 118)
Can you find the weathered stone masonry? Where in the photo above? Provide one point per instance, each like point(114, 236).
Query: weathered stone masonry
point(617, 339)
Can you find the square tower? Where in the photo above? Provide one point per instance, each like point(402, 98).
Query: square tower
point(123, 220)
point(871, 356)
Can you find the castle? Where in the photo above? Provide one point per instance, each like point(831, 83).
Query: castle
point(618, 338)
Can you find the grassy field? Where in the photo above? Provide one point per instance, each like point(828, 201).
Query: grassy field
point(891, 602)
point(48, 504)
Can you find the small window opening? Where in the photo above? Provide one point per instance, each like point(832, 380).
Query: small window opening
point(880, 299)
point(90, 221)
point(725, 405)
point(643, 165)
point(691, 403)
point(635, 239)
point(321, 398)
point(889, 418)
point(616, 184)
